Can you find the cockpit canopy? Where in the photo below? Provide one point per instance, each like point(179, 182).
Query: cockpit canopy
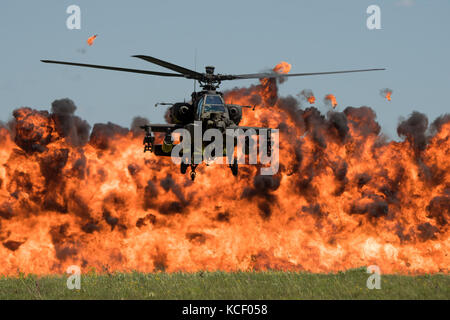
point(214, 103)
point(214, 99)
point(211, 103)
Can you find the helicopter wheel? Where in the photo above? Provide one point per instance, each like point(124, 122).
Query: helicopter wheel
point(183, 167)
point(234, 168)
point(193, 173)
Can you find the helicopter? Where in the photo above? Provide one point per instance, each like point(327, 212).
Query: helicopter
point(207, 107)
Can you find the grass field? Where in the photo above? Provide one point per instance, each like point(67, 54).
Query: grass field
point(221, 285)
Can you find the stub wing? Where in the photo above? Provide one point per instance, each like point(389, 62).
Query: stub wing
point(161, 127)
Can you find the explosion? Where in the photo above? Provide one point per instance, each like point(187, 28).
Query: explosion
point(331, 99)
point(386, 93)
point(344, 196)
point(283, 67)
point(308, 95)
point(90, 41)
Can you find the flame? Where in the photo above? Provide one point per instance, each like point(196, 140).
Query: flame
point(90, 41)
point(386, 93)
point(330, 98)
point(388, 96)
point(308, 95)
point(283, 67)
point(343, 198)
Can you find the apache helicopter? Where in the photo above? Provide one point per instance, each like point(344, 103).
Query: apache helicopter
point(207, 106)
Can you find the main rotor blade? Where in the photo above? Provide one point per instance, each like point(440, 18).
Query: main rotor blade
point(279, 75)
point(155, 73)
point(191, 73)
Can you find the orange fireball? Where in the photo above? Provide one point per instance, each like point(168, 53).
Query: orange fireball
point(388, 96)
point(330, 98)
point(283, 67)
point(308, 95)
point(90, 41)
point(386, 93)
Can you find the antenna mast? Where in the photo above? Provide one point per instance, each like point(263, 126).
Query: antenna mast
point(195, 69)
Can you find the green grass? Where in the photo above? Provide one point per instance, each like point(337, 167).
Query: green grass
point(222, 285)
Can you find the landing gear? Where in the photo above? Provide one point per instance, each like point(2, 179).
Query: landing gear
point(193, 173)
point(183, 167)
point(234, 167)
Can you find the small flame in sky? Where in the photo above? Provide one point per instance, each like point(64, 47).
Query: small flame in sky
point(386, 93)
point(388, 96)
point(90, 41)
point(282, 67)
point(308, 95)
point(330, 98)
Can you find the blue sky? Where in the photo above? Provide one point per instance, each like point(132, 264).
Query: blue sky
point(236, 37)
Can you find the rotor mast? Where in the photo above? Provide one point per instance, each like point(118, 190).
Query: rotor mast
point(210, 82)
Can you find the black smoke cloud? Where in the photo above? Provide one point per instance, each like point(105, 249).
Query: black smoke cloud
point(33, 130)
point(414, 129)
point(136, 125)
point(69, 126)
point(103, 134)
point(438, 123)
